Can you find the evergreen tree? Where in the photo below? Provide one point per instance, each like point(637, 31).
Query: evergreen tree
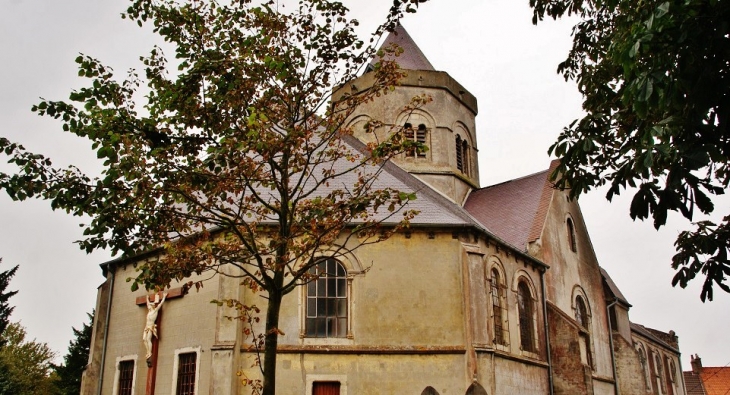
point(5, 308)
point(76, 360)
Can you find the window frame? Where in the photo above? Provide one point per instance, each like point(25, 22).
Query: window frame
point(346, 295)
point(176, 367)
point(527, 320)
point(498, 302)
point(572, 239)
point(117, 373)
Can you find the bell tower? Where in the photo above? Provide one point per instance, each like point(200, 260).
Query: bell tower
point(445, 125)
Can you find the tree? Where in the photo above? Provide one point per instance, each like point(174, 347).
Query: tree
point(238, 163)
point(29, 367)
point(5, 308)
point(74, 363)
point(654, 76)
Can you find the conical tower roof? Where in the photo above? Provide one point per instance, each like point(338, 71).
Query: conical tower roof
point(412, 57)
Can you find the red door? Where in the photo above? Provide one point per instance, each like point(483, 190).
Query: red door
point(326, 388)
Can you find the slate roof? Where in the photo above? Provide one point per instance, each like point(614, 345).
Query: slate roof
point(514, 210)
point(716, 380)
point(649, 334)
point(412, 57)
point(613, 289)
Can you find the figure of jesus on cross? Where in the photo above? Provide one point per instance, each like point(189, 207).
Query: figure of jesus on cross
point(150, 329)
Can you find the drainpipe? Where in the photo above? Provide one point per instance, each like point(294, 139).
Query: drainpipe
point(112, 271)
point(547, 330)
point(610, 343)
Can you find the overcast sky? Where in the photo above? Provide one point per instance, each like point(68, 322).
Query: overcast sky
point(489, 46)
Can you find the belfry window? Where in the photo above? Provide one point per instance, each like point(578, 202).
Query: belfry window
point(526, 312)
point(326, 314)
point(462, 155)
point(419, 135)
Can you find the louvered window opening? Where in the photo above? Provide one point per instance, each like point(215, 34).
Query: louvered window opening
point(419, 135)
point(186, 373)
point(327, 301)
point(126, 377)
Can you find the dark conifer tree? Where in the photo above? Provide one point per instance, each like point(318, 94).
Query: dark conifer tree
point(75, 361)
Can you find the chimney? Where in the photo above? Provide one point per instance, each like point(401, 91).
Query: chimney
point(696, 362)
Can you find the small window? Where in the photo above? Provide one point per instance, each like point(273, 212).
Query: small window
point(186, 373)
point(326, 388)
point(327, 300)
point(526, 312)
point(465, 157)
point(571, 235)
point(126, 377)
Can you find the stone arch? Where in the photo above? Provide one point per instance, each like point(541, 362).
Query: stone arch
point(476, 389)
point(346, 257)
point(578, 291)
point(429, 391)
point(416, 117)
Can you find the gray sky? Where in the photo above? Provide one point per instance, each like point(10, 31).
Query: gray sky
point(489, 46)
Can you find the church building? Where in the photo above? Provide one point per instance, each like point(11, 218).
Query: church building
point(492, 290)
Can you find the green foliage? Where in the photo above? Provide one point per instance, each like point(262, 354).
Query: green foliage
point(74, 363)
point(654, 76)
point(25, 365)
point(5, 308)
point(235, 156)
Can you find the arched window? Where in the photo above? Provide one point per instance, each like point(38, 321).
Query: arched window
point(526, 312)
point(658, 372)
point(327, 300)
point(644, 365)
point(499, 313)
point(581, 316)
point(419, 135)
point(465, 157)
point(672, 388)
point(459, 154)
point(571, 235)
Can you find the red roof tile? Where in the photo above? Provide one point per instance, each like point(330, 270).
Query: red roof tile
point(716, 380)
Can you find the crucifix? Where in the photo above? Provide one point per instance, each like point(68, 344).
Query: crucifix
point(151, 333)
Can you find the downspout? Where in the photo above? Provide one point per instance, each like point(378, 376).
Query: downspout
point(610, 343)
point(106, 328)
point(547, 330)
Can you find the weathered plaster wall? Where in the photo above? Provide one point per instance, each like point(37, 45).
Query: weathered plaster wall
point(186, 322)
point(572, 273)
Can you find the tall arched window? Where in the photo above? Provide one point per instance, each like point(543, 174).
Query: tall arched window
point(327, 300)
point(465, 157)
point(644, 365)
point(658, 373)
point(459, 154)
point(581, 316)
point(499, 313)
point(571, 235)
point(526, 311)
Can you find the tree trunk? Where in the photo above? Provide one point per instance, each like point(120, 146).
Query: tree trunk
point(272, 341)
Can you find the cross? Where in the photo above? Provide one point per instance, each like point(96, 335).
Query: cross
point(156, 300)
